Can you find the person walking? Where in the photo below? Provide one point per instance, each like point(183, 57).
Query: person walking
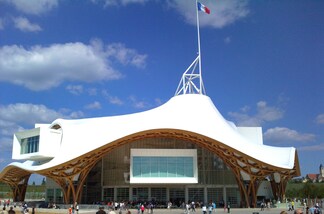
point(228, 208)
point(204, 209)
point(210, 208)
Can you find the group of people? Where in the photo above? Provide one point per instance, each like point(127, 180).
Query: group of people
point(191, 207)
point(73, 208)
point(211, 206)
point(101, 210)
point(10, 211)
point(264, 205)
point(291, 206)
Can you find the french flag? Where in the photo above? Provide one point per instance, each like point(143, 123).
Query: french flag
point(203, 8)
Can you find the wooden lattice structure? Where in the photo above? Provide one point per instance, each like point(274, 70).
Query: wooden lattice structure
point(71, 175)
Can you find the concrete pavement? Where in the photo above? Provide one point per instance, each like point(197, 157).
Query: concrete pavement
point(174, 211)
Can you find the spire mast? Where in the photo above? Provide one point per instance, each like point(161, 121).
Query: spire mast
point(199, 52)
point(191, 81)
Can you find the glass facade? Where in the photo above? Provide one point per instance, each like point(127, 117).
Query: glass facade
point(232, 196)
point(122, 193)
point(29, 145)
point(163, 167)
point(108, 194)
point(216, 195)
point(159, 194)
point(92, 189)
point(177, 195)
point(196, 194)
point(140, 194)
point(109, 180)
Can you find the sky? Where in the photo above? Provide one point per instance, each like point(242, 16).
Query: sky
point(262, 64)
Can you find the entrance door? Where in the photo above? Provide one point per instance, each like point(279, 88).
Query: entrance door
point(177, 196)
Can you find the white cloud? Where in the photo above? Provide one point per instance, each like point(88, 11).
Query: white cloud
point(108, 3)
point(115, 100)
point(125, 55)
point(94, 105)
point(17, 117)
point(14, 117)
point(112, 99)
point(227, 40)
point(34, 7)
point(264, 114)
point(317, 148)
point(24, 24)
point(40, 68)
point(75, 89)
point(138, 103)
point(79, 89)
point(320, 119)
point(92, 91)
point(75, 115)
point(223, 13)
point(28, 114)
point(283, 134)
point(158, 101)
point(7, 128)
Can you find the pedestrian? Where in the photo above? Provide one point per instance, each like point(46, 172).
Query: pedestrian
point(228, 207)
point(169, 205)
point(142, 208)
point(151, 208)
point(214, 206)
point(187, 208)
point(210, 208)
point(101, 211)
point(193, 206)
point(293, 205)
point(204, 209)
point(77, 207)
point(11, 211)
point(289, 206)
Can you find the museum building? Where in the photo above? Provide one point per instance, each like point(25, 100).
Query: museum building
point(181, 151)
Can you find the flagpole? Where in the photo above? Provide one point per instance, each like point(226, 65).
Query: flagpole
point(199, 53)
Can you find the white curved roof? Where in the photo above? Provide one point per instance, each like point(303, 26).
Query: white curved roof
point(190, 112)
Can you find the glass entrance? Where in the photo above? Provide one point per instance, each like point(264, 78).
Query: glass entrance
point(177, 196)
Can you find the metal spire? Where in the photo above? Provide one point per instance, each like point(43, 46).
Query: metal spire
point(191, 81)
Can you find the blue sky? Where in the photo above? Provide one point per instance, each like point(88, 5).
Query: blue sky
point(262, 64)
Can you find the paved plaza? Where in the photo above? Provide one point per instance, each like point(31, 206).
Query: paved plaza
point(175, 211)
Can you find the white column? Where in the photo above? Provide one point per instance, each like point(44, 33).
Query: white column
point(206, 199)
point(225, 197)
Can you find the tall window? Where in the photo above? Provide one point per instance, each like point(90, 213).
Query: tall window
point(29, 145)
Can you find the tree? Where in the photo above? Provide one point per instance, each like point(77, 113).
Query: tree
point(309, 191)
